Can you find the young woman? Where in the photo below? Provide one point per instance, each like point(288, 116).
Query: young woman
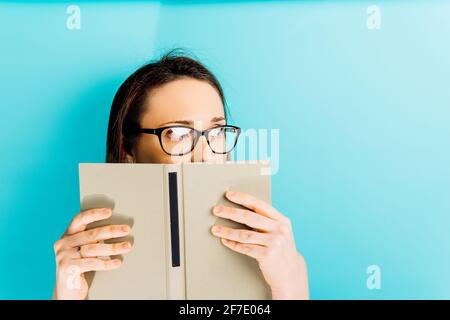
point(152, 121)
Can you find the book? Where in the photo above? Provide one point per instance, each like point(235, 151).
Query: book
point(169, 209)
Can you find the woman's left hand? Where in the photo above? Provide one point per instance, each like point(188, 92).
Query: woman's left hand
point(270, 242)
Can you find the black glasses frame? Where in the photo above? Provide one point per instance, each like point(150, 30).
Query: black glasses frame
point(197, 135)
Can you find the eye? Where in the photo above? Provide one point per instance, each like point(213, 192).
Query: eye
point(177, 134)
point(217, 132)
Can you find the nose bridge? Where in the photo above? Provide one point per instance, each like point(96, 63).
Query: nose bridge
point(203, 135)
point(201, 152)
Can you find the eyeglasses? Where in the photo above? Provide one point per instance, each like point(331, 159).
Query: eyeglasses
point(181, 140)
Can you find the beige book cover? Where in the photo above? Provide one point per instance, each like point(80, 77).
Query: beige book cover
point(169, 209)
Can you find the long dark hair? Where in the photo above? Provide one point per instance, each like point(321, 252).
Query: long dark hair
point(128, 105)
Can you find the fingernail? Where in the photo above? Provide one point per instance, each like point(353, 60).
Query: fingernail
point(126, 245)
point(215, 229)
point(125, 228)
point(230, 193)
point(117, 262)
point(217, 209)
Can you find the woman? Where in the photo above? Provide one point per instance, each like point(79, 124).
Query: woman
point(152, 121)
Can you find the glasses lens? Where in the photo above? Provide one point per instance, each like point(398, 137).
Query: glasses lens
point(177, 140)
point(222, 139)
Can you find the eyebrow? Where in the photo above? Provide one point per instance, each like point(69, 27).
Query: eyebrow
point(190, 122)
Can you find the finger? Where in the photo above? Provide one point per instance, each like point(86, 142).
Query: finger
point(97, 234)
point(247, 217)
point(81, 220)
point(71, 253)
point(251, 250)
point(240, 235)
point(255, 204)
point(104, 249)
point(94, 264)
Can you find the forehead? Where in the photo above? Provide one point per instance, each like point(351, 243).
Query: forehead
point(182, 99)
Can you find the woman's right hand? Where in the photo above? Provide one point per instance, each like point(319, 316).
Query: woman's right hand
point(78, 251)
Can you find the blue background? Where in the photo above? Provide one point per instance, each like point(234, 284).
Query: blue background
point(363, 118)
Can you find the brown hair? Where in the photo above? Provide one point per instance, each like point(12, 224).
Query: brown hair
point(127, 107)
